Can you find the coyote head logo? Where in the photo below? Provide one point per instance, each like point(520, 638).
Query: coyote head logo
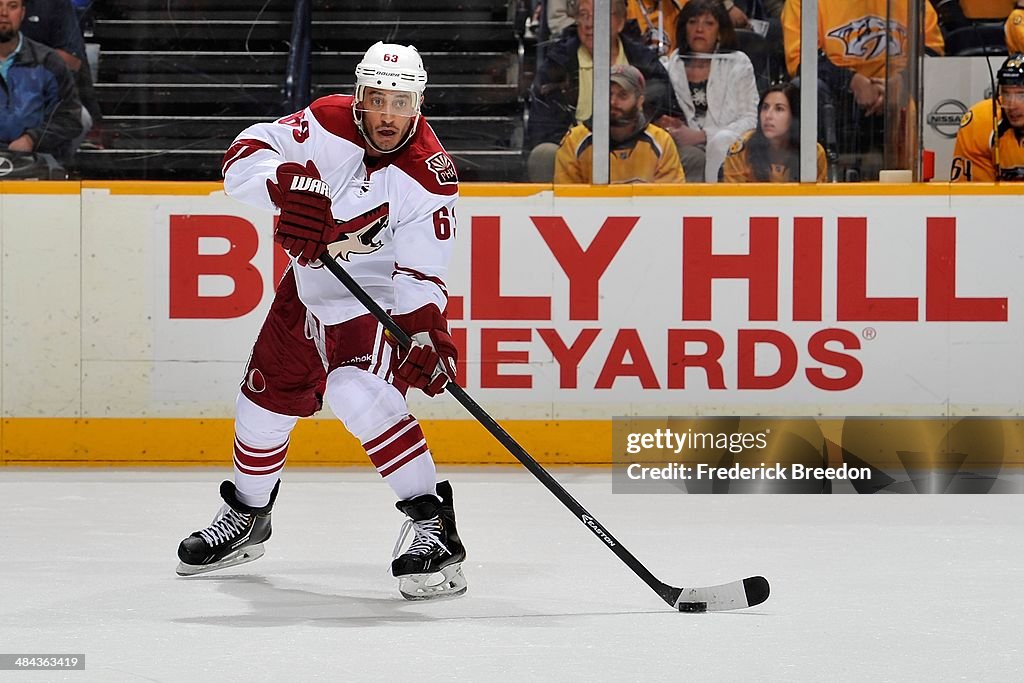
point(359, 235)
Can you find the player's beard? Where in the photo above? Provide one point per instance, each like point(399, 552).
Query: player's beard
point(8, 36)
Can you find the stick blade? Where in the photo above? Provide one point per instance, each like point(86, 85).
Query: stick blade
point(728, 596)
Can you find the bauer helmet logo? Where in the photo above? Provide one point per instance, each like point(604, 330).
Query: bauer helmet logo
point(443, 168)
point(869, 37)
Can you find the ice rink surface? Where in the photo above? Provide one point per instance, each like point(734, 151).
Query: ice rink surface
point(865, 588)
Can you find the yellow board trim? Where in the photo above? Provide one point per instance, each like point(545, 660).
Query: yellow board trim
point(193, 442)
point(189, 442)
point(39, 187)
point(158, 188)
point(154, 187)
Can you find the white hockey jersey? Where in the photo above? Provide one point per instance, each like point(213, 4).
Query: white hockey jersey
point(397, 212)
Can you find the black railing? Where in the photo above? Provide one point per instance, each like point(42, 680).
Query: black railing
point(297, 88)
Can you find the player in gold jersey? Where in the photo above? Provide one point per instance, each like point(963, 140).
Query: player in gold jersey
point(990, 142)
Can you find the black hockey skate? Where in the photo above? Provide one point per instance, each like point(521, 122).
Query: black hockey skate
point(431, 567)
point(234, 537)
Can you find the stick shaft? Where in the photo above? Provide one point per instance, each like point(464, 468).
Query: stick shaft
point(666, 592)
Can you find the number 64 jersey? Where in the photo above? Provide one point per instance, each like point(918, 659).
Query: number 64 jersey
point(397, 212)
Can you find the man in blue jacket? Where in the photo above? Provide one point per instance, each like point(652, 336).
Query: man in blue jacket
point(39, 106)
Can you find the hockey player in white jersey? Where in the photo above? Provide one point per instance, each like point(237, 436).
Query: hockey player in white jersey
point(365, 178)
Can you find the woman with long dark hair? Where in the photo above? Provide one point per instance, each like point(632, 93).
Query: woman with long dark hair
point(771, 153)
point(714, 84)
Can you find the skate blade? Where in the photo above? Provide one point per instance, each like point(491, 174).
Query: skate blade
point(243, 556)
point(445, 584)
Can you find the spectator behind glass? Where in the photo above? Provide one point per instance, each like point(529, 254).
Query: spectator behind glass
point(561, 14)
point(715, 87)
point(857, 42)
point(54, 23)
point(39, 108)
point(771, 153)
point(562, 92)
point(655, 22)
point(638, 151)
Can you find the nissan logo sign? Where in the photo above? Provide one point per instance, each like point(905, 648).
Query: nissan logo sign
point(6, 166)
point(945, 117)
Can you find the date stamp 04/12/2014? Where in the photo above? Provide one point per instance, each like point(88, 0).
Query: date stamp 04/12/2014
point(41, 662)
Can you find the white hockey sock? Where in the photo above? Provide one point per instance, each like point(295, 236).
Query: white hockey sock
point(402, 458)
point(261, 446)
point(257, 471)
point(375, 412)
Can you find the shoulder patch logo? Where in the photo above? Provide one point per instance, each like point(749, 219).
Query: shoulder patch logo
point(443, 169)
point(736, 148)
point(966, 118)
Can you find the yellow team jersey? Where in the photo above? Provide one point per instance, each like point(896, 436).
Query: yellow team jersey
point(1015, 31)
point(737, 168)
point(854, 35)
point(653, 158)
point(655, 14)
point(974, 154)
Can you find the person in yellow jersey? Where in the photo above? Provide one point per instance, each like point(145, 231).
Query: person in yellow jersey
point(854, 36)
point(655, 20)
point(860, 42)
point(771, 152)
point(1015, 29)
point(990, 142)
point(639, 152)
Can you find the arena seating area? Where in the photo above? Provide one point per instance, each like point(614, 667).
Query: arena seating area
point(177, 81)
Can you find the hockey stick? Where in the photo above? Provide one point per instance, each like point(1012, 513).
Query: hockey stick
point(736, 595)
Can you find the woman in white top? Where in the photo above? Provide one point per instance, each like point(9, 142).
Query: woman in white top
point(714, 84)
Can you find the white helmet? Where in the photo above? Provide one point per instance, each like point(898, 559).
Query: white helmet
point(392, 67)
point(388, 66)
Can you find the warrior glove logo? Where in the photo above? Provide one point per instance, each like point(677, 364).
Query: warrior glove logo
point(444, 169)
point(868, 37)
point(302, 183)
point(359, 235)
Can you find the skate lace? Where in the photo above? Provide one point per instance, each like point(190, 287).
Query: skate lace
point(227, 524)
point(427, 537)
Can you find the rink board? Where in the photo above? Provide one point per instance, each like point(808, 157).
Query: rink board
point(129, 310)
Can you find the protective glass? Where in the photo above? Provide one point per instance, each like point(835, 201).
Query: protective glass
point(390, 103)
point(1011, 95)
